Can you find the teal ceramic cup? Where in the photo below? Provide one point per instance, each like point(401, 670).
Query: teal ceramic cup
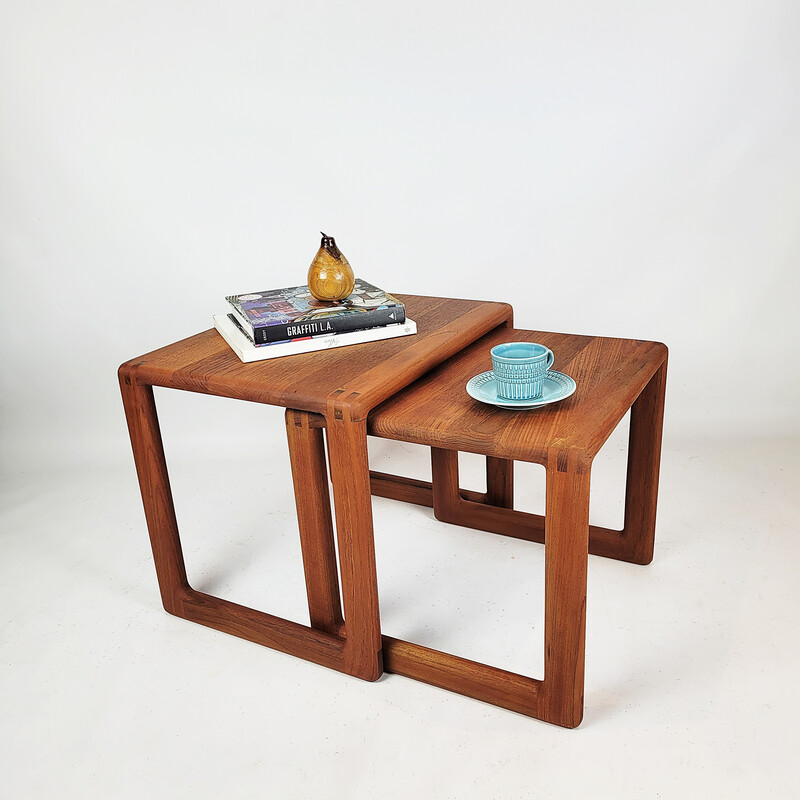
point(519, 369)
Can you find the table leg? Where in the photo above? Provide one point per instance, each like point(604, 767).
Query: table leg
point(310, 477)
point(644, 459)
point(349, 468)
point(499, 482)
point(446, 496)
point(159, 509)
point(566, 560)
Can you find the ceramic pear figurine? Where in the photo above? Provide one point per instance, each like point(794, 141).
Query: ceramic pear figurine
point(330, 276)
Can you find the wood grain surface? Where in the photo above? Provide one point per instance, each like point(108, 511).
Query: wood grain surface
point(609, 373)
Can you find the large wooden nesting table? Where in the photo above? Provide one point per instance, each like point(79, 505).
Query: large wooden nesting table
point(412, 389)
point(340, 387)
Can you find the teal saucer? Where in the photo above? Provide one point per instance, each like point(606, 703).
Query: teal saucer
point(556, 387)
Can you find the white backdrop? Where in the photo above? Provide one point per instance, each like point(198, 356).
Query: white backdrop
point(612, 168)
point(616, 168)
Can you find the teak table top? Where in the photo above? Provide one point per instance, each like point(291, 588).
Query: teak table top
point(358, 376)
point(609, 373)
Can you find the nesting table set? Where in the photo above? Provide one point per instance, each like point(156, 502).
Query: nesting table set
point(412, 389)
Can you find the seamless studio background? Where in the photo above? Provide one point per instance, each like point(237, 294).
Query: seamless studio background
point(608, 168)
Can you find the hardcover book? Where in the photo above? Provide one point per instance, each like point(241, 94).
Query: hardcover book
point(293, 313)
point(242, 345)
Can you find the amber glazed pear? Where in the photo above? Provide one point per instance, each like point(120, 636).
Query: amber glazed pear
point(330, 276)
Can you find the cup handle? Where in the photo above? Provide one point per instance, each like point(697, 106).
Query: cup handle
point(550, 358)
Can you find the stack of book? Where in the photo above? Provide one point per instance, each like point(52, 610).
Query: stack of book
point(284, 322)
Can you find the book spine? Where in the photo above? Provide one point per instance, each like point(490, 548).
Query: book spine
point(234, 318)
point(247, 352)
point(373, 318)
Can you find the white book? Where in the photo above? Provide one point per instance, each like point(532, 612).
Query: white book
point(247, 351)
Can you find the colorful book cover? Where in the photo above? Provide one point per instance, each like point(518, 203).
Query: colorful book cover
point(293, 313)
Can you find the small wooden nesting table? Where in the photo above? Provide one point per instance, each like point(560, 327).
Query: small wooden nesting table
point(612, 376)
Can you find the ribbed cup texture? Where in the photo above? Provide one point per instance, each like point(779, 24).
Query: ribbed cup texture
point(519, 381)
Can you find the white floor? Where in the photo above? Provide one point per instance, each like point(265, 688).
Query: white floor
point(691, 680)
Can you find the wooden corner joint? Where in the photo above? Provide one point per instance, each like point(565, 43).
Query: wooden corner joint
point(346, 406)
point(127, 372)
point(568, 459)
point(304, 419)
